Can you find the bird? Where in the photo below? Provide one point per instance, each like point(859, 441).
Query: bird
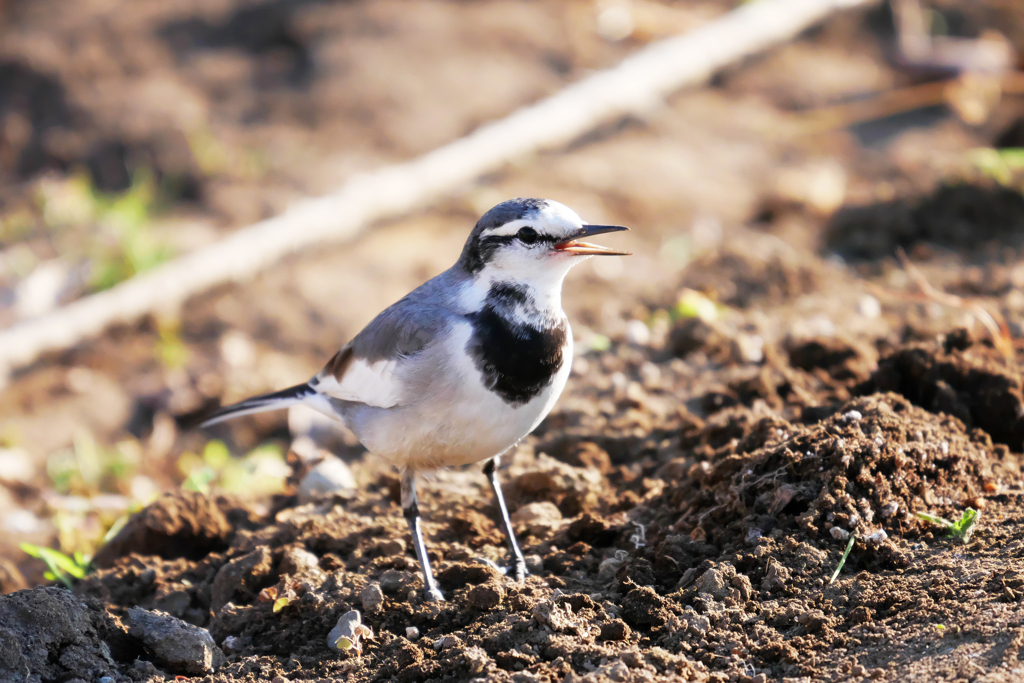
point(463, 367)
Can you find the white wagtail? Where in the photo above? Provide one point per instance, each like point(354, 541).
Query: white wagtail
point(465, 365)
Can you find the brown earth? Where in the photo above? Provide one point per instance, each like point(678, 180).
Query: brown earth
point(699, 549)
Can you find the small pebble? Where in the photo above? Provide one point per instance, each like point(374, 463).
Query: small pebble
point(372, 597)
point(348, 633)
point(393, 547)
point(446, 643)
point(614, 630)
point(876, 537)
point(749, 347)
point(177, 645)
point(638, 333)
point(393, 580)
point(839, 533)
point(868, 306)
point(233, 644)
point(412, 633)
point(327, 477)
point(16, 466)
point(852, 416)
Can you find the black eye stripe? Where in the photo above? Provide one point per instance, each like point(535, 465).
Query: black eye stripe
point(508, 239)
point(483, 247)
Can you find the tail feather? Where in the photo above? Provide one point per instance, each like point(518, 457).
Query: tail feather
point(258, 404)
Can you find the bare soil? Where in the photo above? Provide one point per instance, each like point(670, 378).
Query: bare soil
point(681, 546)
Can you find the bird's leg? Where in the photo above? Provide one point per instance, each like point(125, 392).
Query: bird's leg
point(411, 510)
point(519, 568)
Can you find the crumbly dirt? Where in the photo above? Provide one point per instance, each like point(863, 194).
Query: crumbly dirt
point(677, 547)
point(684, 507)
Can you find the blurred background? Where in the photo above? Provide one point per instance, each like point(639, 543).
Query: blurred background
point(773, 201)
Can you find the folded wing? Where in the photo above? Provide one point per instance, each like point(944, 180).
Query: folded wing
point(350, 378)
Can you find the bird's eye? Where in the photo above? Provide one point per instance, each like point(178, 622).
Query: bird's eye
point(527, 235)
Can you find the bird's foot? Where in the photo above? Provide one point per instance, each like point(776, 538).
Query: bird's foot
point(516, 571)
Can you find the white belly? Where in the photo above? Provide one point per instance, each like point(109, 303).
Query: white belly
point(454, 422)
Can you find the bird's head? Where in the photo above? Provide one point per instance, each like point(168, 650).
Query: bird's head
point(532, 239)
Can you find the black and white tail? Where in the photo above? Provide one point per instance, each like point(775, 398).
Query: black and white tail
point(258, 404)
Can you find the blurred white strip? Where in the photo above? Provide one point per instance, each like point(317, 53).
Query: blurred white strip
point(635, 85)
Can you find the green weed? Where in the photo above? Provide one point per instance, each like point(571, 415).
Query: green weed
point(82, 472)
point(87, 468)
point(59, 567)
point(170, 349)
point(134, 247)
point(261, 472)
point(959, 530)
point(127, 244)
point(693, 304)
point(1001, 165)
point(846, 554)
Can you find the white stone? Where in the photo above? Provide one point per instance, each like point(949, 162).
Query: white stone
point(868, 306)
point(329, 476)
point(348, 633)
point(638, 333)
point(876, 537)
point(372, 597)
point(16, 466)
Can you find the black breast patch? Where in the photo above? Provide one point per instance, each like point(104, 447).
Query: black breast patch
point(516, 360)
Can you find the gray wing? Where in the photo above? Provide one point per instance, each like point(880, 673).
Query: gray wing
point(366, 370)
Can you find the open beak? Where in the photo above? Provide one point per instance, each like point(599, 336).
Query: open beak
point(575, 246)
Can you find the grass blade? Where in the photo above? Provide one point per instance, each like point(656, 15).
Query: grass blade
point(846, 554)
point(934, 519)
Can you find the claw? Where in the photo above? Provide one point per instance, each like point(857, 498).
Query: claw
point(520, 572)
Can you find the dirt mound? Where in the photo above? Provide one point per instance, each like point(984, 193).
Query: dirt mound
point(971, 218)
point(49, 634)
point(865, 470)
point(184, 524)
point(959, 377)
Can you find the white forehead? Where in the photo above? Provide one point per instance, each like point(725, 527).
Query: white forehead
point(553, 219)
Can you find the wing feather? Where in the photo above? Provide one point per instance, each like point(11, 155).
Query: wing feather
point(349, 378)
point(367, 369)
